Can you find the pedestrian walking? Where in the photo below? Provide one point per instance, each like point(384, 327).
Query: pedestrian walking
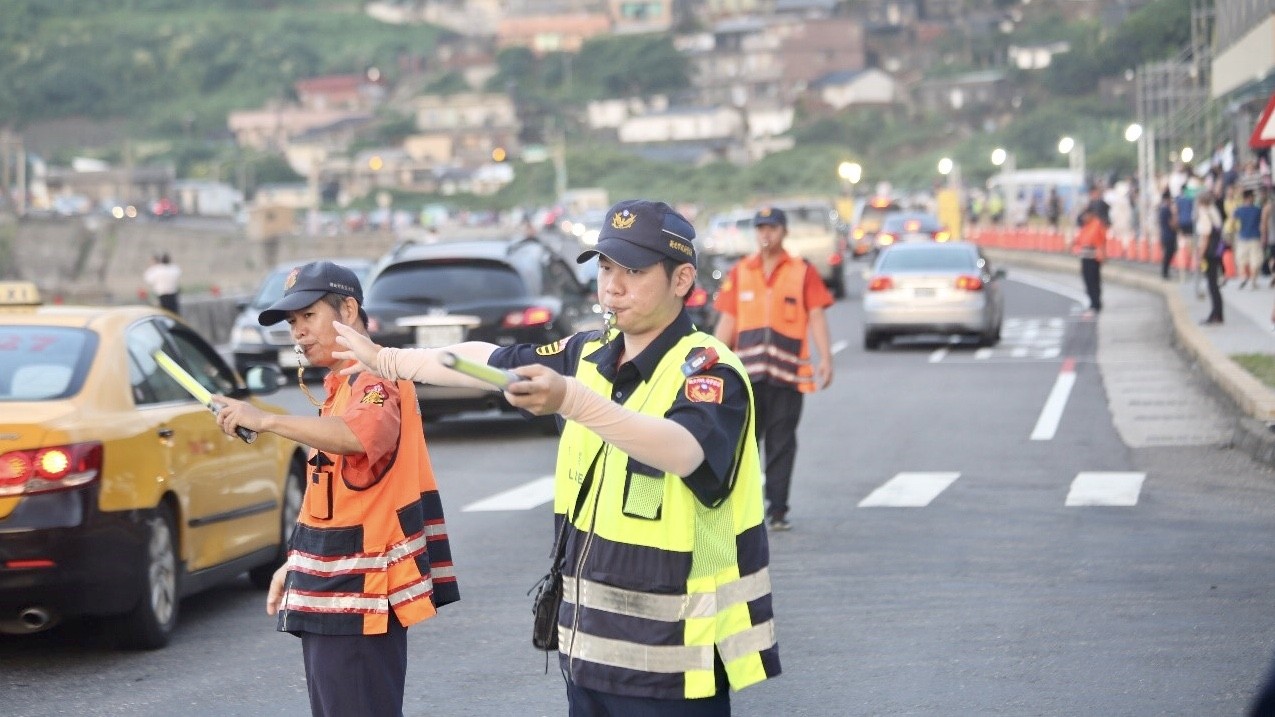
point(1184, 214)
point(1208, 226)
point(1247, 219)
point(666, 601)
point(163, 281)
point(369, 556)
point(1168, 233)
point(1091, 247)
point(771, 307)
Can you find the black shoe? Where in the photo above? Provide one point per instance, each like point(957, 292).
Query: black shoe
point(778, 523)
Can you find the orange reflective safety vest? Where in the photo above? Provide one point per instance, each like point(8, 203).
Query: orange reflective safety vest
point(356, 553)
point(772, 322)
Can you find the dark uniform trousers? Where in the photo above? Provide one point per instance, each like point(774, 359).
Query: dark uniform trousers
point(1091, 272)
point(583, 702)
point(356, 675)
point(171, 302)
point(778, 411)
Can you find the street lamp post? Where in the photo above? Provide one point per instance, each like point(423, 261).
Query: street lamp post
point(1075, 151)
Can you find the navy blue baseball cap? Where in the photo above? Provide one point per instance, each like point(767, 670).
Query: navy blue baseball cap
point(637, 233)
point(307, 284)
point(770, 215)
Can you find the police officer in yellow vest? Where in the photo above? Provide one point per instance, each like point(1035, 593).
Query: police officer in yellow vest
point(369, 556)
point(666, 592)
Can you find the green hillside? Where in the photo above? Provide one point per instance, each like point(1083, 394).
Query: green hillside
point(169, 71)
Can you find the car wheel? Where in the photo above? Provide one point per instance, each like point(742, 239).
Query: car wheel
point(871, 340)
point(293, 495)
point(150, 624)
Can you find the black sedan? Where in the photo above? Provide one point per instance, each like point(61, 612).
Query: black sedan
point(498, 291)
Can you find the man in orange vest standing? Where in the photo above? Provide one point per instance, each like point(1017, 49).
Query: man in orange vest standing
point(369, 556)
point(770, 303)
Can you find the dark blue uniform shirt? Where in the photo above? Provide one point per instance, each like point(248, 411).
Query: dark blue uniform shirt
point(717, 426)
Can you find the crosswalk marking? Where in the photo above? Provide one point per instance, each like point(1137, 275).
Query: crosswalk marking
point(1113, 488)
point(1051, 414)
point(909, 490)
point(524, 497)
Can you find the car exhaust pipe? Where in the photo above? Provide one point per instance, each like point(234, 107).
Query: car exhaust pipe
point(34, 619)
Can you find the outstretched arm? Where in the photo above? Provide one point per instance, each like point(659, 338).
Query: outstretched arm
point(419, 365)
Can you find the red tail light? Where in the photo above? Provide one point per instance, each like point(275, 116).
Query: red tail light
point(40, 470)
point(533, 316)
point(698, 297)
point(880, 283)
point(835, 259)
point(969, 283)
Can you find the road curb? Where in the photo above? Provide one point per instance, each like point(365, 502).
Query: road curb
point(1252, 400)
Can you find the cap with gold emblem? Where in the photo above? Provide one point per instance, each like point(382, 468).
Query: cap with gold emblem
point(637, 233)
point(770, 215)
point(307, 284)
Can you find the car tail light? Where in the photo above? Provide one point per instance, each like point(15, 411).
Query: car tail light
point(40, 470)
point(880, 283)
point(885, 238)
point(969, 283)
point(942, 235)
point(859, 233)
point(835, 259)
point(532, 316)
point(698, 298)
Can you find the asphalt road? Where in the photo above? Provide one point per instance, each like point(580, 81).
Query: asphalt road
point(1050, 527)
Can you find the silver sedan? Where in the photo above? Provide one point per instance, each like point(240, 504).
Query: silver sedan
point(932, 288)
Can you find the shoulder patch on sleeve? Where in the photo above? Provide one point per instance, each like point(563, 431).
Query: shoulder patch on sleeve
point(374, 394)
point(556, 347)
point(705, 389)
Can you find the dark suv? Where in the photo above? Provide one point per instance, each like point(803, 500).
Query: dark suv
point(498, 291)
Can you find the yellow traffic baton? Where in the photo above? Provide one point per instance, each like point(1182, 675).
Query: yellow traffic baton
point(196, 390)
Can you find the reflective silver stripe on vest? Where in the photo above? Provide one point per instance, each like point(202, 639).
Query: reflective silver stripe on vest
point(316, 565)
point(755, 639)
point(670, 659)
point(666, 608)
point(340, 603)
point(436, 530)
point(406, 549)
point(408, 593)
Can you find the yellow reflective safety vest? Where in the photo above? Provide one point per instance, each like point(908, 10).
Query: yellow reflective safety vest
point(358, 553)
point(657, 585)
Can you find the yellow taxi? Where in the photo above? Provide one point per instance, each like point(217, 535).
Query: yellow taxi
point(119, 494)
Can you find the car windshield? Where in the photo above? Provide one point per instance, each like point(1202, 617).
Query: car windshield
point(42, 363)
point(441, 283)
point(911, 223)
point(818, 214)
point(934, 258)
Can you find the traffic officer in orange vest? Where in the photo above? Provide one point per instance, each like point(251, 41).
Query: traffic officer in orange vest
point(768, 305)
point(369, 556)
point(666, 602)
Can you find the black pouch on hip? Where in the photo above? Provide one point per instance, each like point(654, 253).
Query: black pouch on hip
point(544, 611)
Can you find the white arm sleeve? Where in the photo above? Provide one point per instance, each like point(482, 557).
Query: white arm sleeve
point(423, 366)
point(657, 442)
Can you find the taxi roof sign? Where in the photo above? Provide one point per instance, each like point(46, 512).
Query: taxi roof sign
point(19, 293)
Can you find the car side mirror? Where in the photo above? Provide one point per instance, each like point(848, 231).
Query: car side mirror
point(998, 274)
point(264, 380)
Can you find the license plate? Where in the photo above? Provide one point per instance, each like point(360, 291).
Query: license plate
point(428, 337)
point(289, 358)
point(925, 292)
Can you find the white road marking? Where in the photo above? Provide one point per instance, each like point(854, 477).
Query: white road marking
point(524, 497)
point(909, 490)
point(839, 346)
point(983, 353)
point(938, 355)
point(1051, 414)
point(1112, 488)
